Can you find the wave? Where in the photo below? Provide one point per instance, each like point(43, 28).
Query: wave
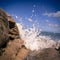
point(32, 39)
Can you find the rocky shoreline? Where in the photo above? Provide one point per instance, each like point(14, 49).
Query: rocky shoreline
point(12, 47)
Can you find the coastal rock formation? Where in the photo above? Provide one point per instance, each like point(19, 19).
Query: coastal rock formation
point(46, 54)
point(3, 28)
point(11, 45)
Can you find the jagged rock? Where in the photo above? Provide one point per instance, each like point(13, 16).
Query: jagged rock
point(11, 45)
point(8, 28)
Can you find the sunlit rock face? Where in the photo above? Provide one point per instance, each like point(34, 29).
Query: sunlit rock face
point(11, 45)
point(8, 28)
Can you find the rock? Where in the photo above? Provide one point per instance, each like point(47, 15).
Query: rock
point(8, 28)
point(22, 54)
point(3, 28)
point(13, 48)
point(46, 54)
point(11, 45)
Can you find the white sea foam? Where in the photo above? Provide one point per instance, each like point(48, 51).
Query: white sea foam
point(31, 39)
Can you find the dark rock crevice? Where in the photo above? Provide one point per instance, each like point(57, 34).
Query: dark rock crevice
point(11, 24)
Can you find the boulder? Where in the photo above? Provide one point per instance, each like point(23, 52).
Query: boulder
point(46, 54)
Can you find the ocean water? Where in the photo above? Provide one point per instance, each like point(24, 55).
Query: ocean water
point(53, 36)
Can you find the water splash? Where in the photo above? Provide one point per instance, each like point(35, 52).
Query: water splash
point(31, 39)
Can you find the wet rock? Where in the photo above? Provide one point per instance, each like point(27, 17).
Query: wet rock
point(46, 54)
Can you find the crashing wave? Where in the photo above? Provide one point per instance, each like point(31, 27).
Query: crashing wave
point(31, 39)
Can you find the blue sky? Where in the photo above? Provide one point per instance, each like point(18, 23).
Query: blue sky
point(44, 12)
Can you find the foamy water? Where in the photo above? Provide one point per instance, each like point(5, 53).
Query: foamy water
point(31, 39)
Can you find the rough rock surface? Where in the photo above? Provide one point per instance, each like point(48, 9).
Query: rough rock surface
point(3, 28)
point(46, 54)
point(11, 45)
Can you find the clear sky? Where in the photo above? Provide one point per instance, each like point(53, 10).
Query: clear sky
point(44, 12)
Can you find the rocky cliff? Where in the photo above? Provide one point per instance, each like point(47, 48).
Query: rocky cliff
point(11, 45)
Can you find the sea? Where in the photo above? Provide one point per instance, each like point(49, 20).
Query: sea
point(52, 35)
